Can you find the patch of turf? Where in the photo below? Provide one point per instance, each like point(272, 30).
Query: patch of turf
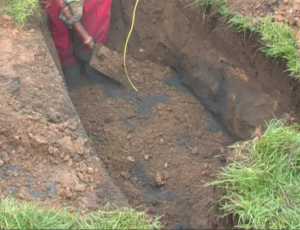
point(278, 41)
point(262, 185)
point(25, 215)
point(205, 4)
point(21, 10)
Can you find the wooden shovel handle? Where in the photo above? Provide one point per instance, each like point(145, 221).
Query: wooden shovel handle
point(77, 26)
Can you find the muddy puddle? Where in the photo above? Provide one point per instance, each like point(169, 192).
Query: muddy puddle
point(159, 145)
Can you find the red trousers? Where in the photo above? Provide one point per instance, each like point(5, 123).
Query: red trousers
point(95, 19)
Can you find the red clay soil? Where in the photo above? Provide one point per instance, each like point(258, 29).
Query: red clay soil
point(45, 154)
point(159, 145)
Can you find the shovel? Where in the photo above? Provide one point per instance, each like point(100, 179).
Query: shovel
point(103, 59)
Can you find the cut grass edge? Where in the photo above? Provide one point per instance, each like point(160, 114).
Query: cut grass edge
point(15, 214)
point(262, 183)
point(22, 10)
point(278, 42)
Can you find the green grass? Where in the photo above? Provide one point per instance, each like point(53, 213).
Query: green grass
point(278, 41)
point(262, 185)
point(241, 24)
point(24, 215)
point(205, 4)
point(21, 10)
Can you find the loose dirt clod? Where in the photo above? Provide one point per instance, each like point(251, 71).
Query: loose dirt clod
point(131, 159)
point(159, 180)
point(195, 151)
point(80, 188)
point(67, 145)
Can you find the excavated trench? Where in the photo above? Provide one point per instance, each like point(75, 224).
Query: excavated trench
point(201, 88)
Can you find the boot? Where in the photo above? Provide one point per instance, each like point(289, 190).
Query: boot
point(72, 76)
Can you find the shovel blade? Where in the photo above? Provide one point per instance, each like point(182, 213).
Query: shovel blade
point(109, 63)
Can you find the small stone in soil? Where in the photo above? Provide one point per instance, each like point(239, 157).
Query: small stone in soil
point(80, 188)
point(70, 163)
point(21, 196)
point(162, 141)
point(76, 158)
point(158, 180)
point(134, 180)
point(90, 170)
point(69, 194)
point(202, 181)
point(1, 163)
point(147, 157)
point(67, 145)
point(166, 175)
point(195, 151)
point(126, 175)
point(131, 159)
point(205, 165)
point(67, 158)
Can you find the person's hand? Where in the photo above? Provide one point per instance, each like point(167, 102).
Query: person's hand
point(76, 7)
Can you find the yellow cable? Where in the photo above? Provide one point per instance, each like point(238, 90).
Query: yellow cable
point(126, 44)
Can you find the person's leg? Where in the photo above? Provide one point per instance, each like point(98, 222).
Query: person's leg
point(63, 43)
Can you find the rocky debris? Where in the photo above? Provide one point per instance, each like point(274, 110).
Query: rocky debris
point(70, 163)
point(90, 170)
point(159, 180)
point(134, 180)
point(82, 166)
point(79, 146)
point(161, 141)
point(80, 176)
point(147, 157)
point(40, 140)
point(131, 159)
point(68, 193)
point(21, 196)
point(67, 146)
point(21, 150)
point(66, 158)
point(126, 175)
point(1, 163)
point(166, 175)
point(7, 17)
point(205, 166)
point(195, 151)
point(80, 188)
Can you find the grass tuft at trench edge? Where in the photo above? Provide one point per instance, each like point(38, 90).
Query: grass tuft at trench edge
point(26, 215)
point(262, 184)
point(22, 10)
point(278, 41)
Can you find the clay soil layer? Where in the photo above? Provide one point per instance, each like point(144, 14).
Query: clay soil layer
point(45, 153)
point(201, 88)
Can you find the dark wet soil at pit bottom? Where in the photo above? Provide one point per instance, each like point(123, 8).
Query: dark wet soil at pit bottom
point(159, 145)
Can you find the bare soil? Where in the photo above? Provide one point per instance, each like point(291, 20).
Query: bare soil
point(45, 154)
point(159, 145)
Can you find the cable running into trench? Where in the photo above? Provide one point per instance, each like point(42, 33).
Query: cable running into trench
point(126, 45)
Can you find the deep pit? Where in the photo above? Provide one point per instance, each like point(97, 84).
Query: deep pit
point(201, 88)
